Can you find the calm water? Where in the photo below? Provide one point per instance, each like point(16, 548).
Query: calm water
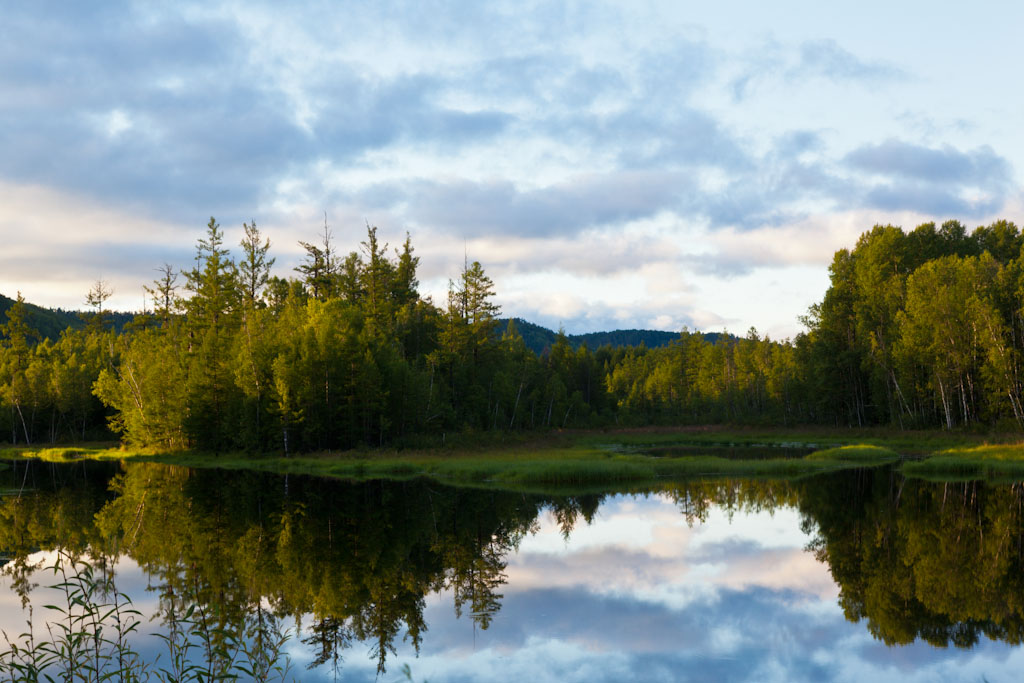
point(738, 452)
point(859, 576)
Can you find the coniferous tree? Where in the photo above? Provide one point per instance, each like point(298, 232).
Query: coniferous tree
point(16, 345)
point(212, 321)
point(254, 269)
point(164, 293)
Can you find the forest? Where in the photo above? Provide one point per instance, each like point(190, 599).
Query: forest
point(917, 329)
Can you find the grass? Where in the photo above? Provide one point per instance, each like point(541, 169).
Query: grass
point(905, 442)
point(986, 461)
point(856, 453)
point(99, 451)
point(573, 461)
point(592, 458)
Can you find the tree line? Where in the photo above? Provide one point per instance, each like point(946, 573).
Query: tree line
point(917, 329)
point(920, 328)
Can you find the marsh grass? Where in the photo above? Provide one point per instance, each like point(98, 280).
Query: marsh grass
point(859, 453)
point(89, 637)
point(588, 458)
point(102, 451)
point(86, 637)
point(993, 462)
point(546, 470)
point(906, 442)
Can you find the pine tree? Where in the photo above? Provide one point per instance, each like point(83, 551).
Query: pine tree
point(254, 270)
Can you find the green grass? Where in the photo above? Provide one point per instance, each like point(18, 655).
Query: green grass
point(916, 442)
point(857, 453)
point(595, 458)
point(986, 461)
point(104, 451)
point(563, 463)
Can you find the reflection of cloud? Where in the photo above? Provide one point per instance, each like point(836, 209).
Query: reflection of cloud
point(740, 633)
point(132, 583)
point(788, 570)
point(647, 550)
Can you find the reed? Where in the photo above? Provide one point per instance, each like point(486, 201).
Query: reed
point(90, 637)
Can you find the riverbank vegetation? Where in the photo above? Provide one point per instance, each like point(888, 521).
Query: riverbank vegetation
point(602, 459)
point(919, 329)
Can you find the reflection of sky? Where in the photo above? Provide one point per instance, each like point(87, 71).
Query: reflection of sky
point(640, 595)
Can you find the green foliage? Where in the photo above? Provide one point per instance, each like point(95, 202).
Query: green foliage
point(918, 329)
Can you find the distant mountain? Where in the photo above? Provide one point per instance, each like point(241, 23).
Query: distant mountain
point(50, 322)
point(539, 339)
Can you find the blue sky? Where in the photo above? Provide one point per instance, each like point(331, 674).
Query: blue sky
point(610, 164)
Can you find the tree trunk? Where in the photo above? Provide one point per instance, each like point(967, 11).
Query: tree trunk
point(945, 404)
point(512, 422)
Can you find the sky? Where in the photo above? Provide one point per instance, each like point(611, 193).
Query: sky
point(611, 165)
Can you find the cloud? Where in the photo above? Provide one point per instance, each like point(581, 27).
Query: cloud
point(682, 137)
point(172, 113)
point(600, 254)
point(473, 209)
point(792, 65)
point(58, 244)
point(981, 166)
point(939, 181)
point(827, 59)
point(536, 126)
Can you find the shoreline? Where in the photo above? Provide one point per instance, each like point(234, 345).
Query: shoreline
point(593, 457)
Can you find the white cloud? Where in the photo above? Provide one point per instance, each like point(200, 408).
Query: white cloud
point(575, 143)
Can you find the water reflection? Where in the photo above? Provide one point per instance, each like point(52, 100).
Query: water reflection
point(707, 578)
point(739, 452)
point(939, 562)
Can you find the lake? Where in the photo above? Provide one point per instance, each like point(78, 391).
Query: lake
point(859, 575)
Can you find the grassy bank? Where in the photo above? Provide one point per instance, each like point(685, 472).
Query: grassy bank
point(540, 461)
point(985, 461)
point(563, 466)
point(632, 456)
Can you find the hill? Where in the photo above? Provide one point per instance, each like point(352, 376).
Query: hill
point(50, 322)
point(540, 338)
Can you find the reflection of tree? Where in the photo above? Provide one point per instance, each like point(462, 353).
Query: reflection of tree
point(695, 498)
point(567, 511)
point(329, 636)
point(940, 562)
point(358, 558)
point(47, 505)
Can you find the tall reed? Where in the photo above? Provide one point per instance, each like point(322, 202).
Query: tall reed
point(90, 634)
